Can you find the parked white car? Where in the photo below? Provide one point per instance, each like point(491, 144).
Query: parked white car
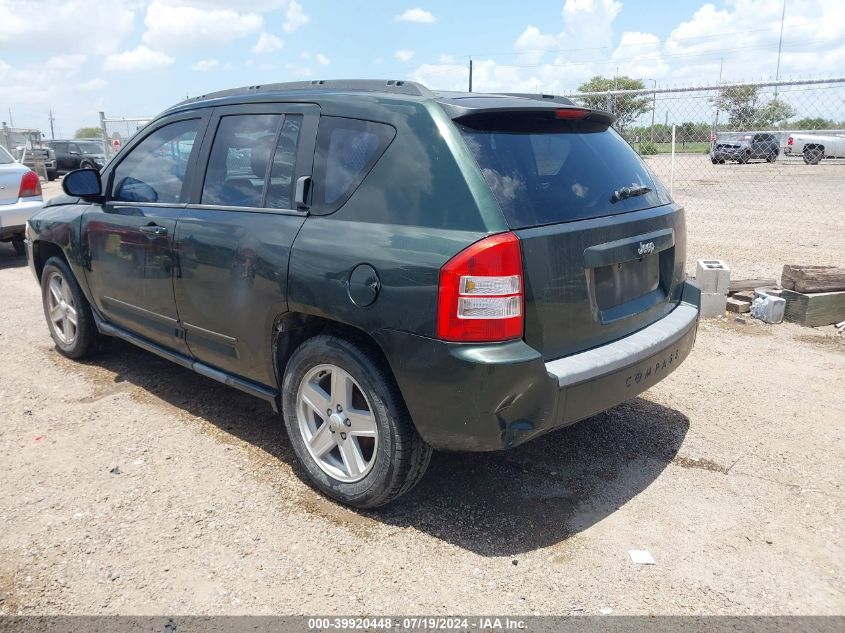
point(20, 199)
point(815, 147)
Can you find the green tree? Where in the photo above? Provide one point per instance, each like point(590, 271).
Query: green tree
point(625, 108)
point(815, 123)
point(774, 113)
point(740, 102)
point(88, 132)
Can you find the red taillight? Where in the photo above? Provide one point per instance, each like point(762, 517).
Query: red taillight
point(790, 140)
point(481, 292)
point(30, 185)
point(571, 113)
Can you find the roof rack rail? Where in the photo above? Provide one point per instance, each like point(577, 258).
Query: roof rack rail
point(540, 96)
point(398, 86)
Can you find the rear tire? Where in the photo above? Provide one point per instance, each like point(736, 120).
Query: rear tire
point(51, 176)
point(813, 155)
point(365, 468)
point(714, 161)
point(18, 245)
point(68, 312)
point(771, 158)
point(743, 159)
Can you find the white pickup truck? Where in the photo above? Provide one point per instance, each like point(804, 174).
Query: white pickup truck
point(815, 147)
point(20, 199)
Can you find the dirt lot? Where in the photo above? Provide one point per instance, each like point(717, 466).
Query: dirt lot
point(130, 485)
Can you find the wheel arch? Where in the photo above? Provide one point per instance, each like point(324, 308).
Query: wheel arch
point(42, 251)
point(293, 328)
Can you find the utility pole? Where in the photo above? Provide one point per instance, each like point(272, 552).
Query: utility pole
point(470, 74)
point(780, 44)
point(52, 118)
point(11, 123)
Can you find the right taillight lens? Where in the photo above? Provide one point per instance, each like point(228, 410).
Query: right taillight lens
point(30, 185)
point(481, 292)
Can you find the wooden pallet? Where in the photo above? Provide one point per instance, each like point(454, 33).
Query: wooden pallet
point(814, 309)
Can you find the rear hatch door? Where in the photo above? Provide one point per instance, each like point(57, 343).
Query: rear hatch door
point(603, 245)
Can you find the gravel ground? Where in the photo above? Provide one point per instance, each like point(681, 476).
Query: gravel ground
point(130, 485)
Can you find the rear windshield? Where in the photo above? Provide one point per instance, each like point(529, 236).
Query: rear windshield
point(548, 173)
point(5, 157)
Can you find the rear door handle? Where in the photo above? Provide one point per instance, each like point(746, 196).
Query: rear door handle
point(154, 230)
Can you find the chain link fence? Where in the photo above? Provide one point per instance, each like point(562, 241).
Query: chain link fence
point(117, 131)
point(748, 143)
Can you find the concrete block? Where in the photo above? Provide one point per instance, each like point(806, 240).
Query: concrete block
point(713, 275)
point(713, 304)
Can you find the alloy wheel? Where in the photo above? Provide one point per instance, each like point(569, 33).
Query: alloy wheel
point(62, 309)
point(337, 423)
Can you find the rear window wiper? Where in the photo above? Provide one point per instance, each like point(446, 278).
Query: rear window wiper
point(629, 192)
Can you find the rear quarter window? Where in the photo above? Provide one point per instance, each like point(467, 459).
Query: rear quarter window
point(347, 149)
point(557, 172)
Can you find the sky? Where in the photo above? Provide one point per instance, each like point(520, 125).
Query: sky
point(137, 57)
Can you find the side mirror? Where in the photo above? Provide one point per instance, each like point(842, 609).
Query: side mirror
point(83, 183)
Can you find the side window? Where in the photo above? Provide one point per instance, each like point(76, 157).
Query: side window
point(347, 149)
point(280, 187)
point(73, 147)
point(240, 156)
point(61, 148)
point(154, 171)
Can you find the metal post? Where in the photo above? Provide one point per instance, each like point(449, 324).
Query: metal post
point(52, 118)
point(672, 164)
point(105, 133)
point(780, 44)
point(470, 74)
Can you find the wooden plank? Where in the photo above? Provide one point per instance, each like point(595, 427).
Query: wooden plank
point(814, 309)
point(744, 295)
point(750, 284)
point(810, 279)
point(737, 305)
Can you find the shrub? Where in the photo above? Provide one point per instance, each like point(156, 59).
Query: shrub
point(648, 148)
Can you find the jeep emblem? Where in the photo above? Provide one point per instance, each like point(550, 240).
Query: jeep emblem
point(646, 248)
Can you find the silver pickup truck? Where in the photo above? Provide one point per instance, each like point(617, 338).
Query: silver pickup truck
point(815, 147)
point(20, 199)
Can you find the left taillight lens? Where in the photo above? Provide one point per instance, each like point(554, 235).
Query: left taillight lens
point(30, 185)
point(480, 298)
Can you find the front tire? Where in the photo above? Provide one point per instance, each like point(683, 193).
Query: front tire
point(68, 312)
point(18, 245)
point(348, 423)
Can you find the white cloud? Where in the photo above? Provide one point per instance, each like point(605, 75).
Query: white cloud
point(206, 65)
point(92, 85)
point(420, 16)
point(171, 27)
point(323, 60)
point(404, 55)
point(4, 69)
point(140, 58)
point(639, 55)
point(66, 63)
point(532, 45)
point(267, 43)
point(445, 59)
point(24, 23)
point(295, 17)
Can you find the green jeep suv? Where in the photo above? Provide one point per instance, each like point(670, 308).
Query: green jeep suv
point(393, 269)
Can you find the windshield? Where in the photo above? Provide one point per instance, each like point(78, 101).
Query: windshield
point(566, 172)
point(5, 157)
point(90, 148)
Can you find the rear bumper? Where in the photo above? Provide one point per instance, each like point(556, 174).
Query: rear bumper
point(492, 397)
point(13, 217)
